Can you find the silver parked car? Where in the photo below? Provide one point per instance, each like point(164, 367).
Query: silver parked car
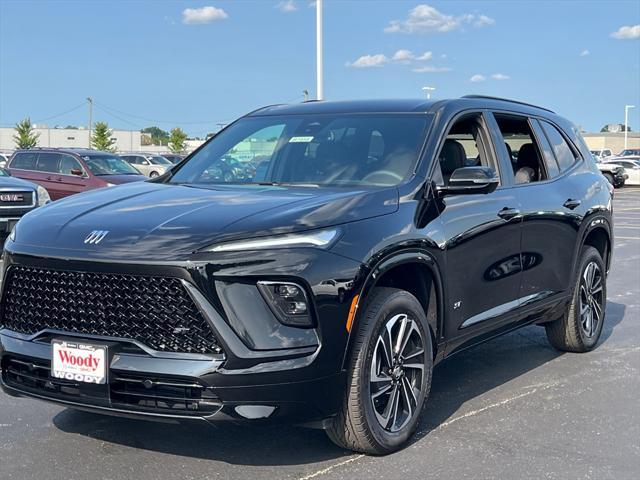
point(148, 164)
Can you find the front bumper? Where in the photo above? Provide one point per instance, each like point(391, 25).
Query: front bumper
point(297, 383)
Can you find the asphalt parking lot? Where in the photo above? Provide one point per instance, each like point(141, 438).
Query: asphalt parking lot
point(512, 408)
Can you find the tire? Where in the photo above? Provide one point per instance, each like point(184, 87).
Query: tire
point(153, 174)
point(575, 332)
point(358, 425)
point(609, 178)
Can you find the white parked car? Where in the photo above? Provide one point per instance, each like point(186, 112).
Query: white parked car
point(148, 164)
point(4, 159)
point(602, 153)
point(631, 167)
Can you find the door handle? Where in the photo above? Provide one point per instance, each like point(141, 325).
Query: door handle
point(572, 203)
point(508, 213)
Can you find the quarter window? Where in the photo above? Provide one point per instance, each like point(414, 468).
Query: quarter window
point(24, 161)
point(562, 151)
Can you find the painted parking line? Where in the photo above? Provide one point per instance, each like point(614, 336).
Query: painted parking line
point(627, 226)
point(618, 237)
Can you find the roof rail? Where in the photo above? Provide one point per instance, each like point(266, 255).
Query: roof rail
point(488, 97)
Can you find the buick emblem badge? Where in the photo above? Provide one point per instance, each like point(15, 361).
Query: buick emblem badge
point(96, 236)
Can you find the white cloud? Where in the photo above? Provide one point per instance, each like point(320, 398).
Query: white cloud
point(431, 69)
point(369, 61)
point(477, 78)
point(627, 32)
point(500, 76)
point(287, 6)
point(426, 19)
point(483, 21)
point(198, 16)
point(585, 53)
point(425, 56)
point(403, 55)
point(444, 55)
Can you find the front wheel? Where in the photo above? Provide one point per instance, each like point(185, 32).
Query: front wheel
point(389, 375)
point(579, 329)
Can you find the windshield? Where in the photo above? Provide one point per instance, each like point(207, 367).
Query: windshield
point(158, 160)
point(109, 165)
point(336, 149)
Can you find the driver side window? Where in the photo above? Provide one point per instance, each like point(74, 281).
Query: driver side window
point(466, 145)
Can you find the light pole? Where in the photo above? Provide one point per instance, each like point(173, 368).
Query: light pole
point(428, 91)
point(90, 100)
point(626, 122)
point(319, 65)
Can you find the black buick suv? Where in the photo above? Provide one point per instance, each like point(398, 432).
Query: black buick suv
point(372, 240)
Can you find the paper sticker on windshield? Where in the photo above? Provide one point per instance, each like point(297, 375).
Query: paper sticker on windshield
point(300, 139)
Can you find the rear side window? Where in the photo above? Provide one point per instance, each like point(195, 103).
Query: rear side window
point(48, 162)
point(522, 149)
point(561, 149)
point(24, 161)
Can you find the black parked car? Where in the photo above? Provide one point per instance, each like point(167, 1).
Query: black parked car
point(17, 197)
point(324, 293)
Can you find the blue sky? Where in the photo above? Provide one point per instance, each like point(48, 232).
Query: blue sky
point(195, 64)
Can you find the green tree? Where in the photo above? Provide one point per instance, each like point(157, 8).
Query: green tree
point(177, 140)
point(101, 139)
point(25, 136)
point(158, 136)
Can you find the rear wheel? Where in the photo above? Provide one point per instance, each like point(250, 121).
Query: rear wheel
point(579, 329)
point(389, 375)
point(153, 174)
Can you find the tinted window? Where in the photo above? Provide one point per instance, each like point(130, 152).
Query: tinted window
point(522, 148)
point(24, 161)
point(159, 160)
point(562, 151)
point(68, 163)
point(463, 147)
point(109, 165)
point(48, 162)
point(331, 149)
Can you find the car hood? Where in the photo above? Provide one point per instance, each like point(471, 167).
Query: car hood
point(120, 179)
point(147, 220)
point(13, 182)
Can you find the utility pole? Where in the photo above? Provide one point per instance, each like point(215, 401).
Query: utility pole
point(90, 100)
point(428, 91)
point(305, 92)
point(319, 64)
point(626, 123)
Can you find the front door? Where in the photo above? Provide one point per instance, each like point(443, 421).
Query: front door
point(483, 270)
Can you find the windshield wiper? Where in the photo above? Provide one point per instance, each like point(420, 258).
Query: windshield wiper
point(287, 184)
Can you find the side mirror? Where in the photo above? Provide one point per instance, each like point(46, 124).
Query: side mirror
point(470, 180)
point(77, 172)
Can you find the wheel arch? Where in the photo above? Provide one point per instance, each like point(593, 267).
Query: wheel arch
point(597, 234)
point(398, 270)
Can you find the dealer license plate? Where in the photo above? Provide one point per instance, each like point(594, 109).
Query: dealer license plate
point(79, 362)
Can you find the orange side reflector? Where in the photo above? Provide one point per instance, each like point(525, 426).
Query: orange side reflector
point(352, 312)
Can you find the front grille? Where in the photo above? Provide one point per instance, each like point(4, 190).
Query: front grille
point(139, 393)
point(155, 311)
point(12, 199)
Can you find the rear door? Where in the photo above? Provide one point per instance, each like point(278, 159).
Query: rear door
point(68, 180)
point(47, 171)
point(551, 204)
point(23, 165)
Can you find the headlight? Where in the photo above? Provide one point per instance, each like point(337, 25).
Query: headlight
point(12, 235)
point(318, 238)
point(43, 196)
point(288, 301)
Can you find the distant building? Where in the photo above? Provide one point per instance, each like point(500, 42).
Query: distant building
point(611, 140)
point(126, 140)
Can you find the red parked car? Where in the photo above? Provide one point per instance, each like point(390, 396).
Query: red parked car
point(65, 171)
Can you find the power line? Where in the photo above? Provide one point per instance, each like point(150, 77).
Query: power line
point(60, 114)
point(172, 122)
